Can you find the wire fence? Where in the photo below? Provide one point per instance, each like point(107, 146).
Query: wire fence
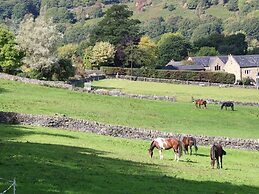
point(11, 183)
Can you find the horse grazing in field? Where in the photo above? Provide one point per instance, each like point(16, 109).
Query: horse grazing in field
point(189, 141)
point(200, 102)
point(228, 104)
point(216, 152)
point(166, 144)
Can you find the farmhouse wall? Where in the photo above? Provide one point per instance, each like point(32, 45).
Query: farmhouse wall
point(249, 72)
point(233, 67)
point(64, 122)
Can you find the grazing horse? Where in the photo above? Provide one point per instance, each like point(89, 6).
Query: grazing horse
point(200, 102)
point(216, 152)
point(189, 141)
point(166, 144)
point(227, 104)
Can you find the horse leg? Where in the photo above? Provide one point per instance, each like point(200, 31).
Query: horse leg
point(221, 161)
point(212, 163)
point(190, 149)
point(186, 149)
point(217, 158)
point(161, 155)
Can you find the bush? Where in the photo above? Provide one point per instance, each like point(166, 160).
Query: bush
point(202, 76)
point(60, 70)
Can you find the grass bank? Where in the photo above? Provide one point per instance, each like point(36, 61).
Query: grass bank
point(182, 92)
point(164, 116)
point(56, 161)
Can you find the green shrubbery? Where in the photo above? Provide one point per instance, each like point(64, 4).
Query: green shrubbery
point(204, 76)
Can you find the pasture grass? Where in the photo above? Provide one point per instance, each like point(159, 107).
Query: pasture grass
point(164, 116)
point(45, 160)
point(182, 92)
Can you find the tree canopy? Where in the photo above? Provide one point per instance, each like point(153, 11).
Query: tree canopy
point(10, 55)
point(116, 26)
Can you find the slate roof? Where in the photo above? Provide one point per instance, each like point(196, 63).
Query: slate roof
point(204, 61)
point(247, 60)
point(224, 59)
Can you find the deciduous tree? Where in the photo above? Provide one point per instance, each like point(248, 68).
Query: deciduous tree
point(102, 54)
point(10, 55)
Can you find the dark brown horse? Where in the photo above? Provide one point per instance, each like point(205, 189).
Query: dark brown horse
point(227, 104)
point(189, 141)
point(200, 102)
point(216, 152)
point(166, 144)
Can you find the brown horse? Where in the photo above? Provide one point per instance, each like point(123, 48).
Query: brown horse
point(200, 102)
point(216, 152)
point(189, 141)
point(166, 144)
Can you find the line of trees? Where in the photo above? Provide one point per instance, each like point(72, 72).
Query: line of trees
point(41, 50)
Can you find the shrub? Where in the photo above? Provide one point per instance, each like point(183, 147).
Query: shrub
point(203, 76)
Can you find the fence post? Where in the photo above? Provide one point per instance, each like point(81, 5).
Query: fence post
point(14, 184)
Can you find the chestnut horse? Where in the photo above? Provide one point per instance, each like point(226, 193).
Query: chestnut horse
point(166, 144)
point(216, 152)
point(189, 141)
point(200, 102)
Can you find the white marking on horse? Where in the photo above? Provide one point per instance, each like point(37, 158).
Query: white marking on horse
point(161, 142)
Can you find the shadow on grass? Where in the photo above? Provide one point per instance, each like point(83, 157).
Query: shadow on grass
point(7, 131)
point(2, 90)
point(47, 168)
point(202, 155)
point(106, 88)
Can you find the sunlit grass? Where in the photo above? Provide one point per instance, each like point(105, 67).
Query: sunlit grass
point(164, 116)
point(58, 161)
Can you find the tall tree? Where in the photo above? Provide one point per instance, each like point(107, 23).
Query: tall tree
point(39, 37)
point(149, 52)
point(102, 54)
point(10, 55)
point(172, 46)
point(116, 26)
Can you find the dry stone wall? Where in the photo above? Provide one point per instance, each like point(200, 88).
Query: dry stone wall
point(64, 122)
point(174, 81)
point(56, 84)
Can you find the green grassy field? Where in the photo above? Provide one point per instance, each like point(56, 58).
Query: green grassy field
point(57, 161)
point(164, 116)
point(182, 92)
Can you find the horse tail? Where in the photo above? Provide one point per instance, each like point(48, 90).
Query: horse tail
point(212, 152)
point(180, 148)
point(195, 145)
point(224, 152)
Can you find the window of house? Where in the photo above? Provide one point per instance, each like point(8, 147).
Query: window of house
point(217, 68)
point(247, 72)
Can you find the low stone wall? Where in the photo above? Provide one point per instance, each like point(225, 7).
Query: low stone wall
point(56, 84)
point(139, 96)
point(118, 131)
point(213, 101)
point(174, 81)
point(60, 84)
